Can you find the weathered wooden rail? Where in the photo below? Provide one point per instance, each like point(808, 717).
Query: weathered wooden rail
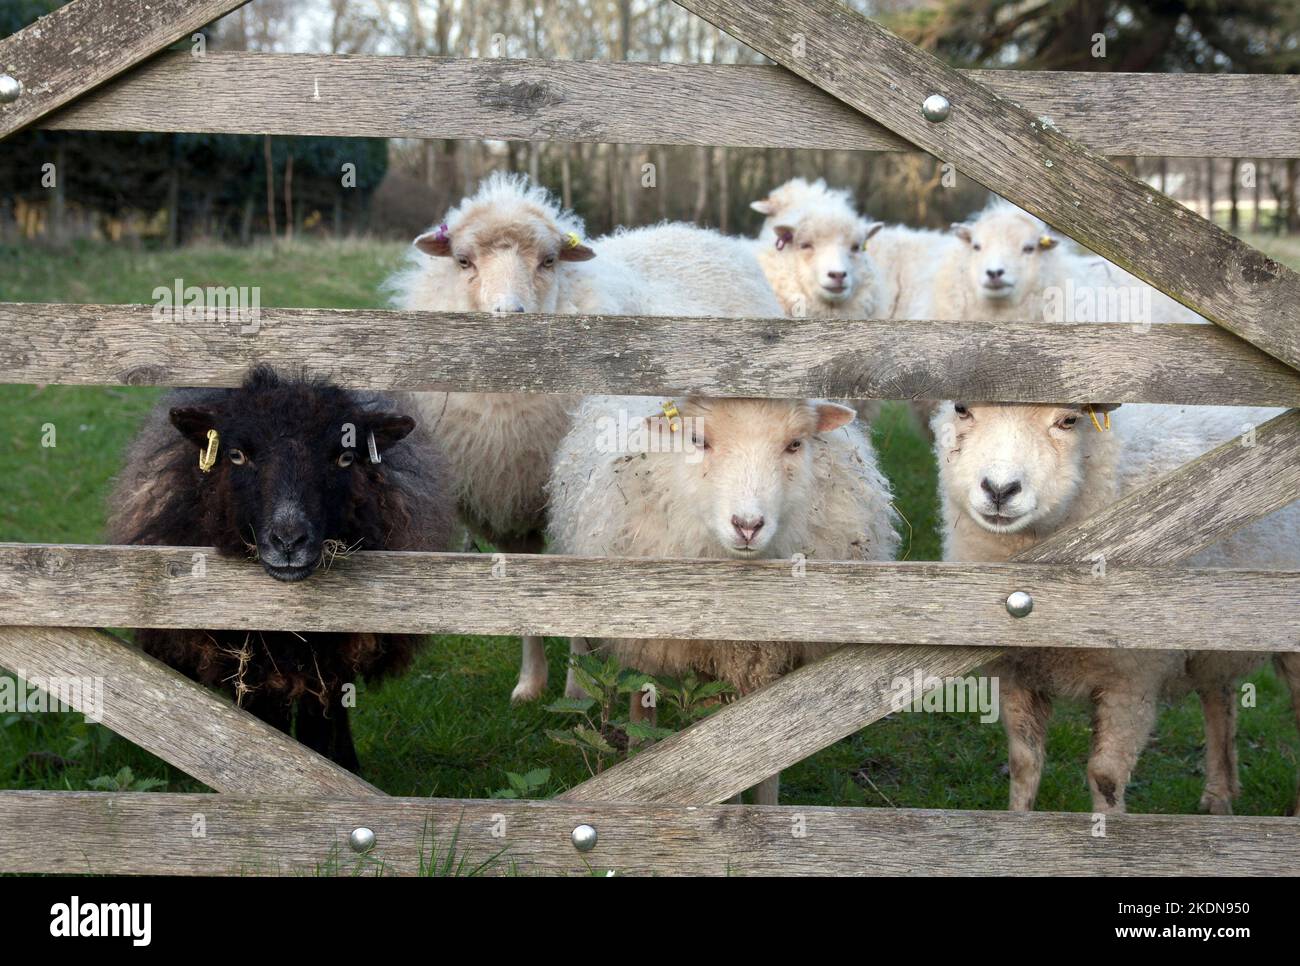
point(284, 809)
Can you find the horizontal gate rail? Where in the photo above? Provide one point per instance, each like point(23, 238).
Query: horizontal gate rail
point(184, 724)
point(842, 693)
point(1025, 158)
point(770, 600)
point(472, 352)
point(107, 833)
point(1221, 115)
point(84, 43)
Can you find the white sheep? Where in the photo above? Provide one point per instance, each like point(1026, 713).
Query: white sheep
point(1011, 475)
point(812, 248)
point(511, 248)
point(741, 478)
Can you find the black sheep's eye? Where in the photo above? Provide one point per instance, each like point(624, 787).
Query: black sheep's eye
point(345, 459)
point(237, 457)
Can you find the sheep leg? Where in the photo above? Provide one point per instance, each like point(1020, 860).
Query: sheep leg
point(312, 729)
point(532, 671)
point(638, 712)
point(1288, 669)
point(1121, 724)
point(345, 752)
point(577, 647)
point(1219, 709)
point(274, 711)
point(1025, 714)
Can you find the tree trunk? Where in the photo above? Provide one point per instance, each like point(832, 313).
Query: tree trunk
point(58, 206)
point(1234, 216)
point(724, 192)
point(566, 176)
point(270, 186)
point(1292, 201)
point(288, 198)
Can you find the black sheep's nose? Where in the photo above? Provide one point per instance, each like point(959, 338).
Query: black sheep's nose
point(1000, 494)
point(288, 537)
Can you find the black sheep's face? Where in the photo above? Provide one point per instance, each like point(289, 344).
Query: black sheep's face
point(290, 474)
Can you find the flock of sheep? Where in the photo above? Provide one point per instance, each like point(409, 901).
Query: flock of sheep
point(708, 477)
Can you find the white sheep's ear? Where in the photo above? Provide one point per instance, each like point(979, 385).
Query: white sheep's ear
point(874, 227)
point(434, 243)
point(832, 416)
point(961, 230)
point(1047, 242)
point(764, 206)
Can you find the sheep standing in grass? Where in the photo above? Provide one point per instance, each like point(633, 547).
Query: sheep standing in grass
point(510, 248)
point(301, 471)
point(750, 479)
point(1012, 475)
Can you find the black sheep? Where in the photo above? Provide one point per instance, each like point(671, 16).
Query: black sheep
point(302, 469)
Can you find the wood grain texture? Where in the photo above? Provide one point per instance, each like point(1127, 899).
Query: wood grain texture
point(841, 694)
point(1043, 362)
point(1028, 160)
point(84, 43)
point(182, 723)
point(116, 834)
point(767, 600)
point(1223, 115)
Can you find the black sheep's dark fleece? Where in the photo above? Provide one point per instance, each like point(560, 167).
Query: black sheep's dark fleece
point(293, 473)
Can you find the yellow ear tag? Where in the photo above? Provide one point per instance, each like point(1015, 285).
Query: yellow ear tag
point(571, 240)
point(1046, 241)
point(670, 410)
point(1093, 413)
point(208, 458)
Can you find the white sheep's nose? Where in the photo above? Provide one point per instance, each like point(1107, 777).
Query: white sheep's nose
point(507, 304)
point(747, 527)
point(995, 272)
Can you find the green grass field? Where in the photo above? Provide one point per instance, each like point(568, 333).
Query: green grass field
point(447, 729)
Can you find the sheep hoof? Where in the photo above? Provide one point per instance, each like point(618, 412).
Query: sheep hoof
point(527, 691)
point(1216, 804)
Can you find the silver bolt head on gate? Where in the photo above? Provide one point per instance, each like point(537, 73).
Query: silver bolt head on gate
point(1019, 604)
point(584, 838)
point(936, 108)
point(10, 88)
point(362, 840)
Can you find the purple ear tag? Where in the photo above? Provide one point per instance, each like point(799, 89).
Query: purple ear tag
point(783, 240)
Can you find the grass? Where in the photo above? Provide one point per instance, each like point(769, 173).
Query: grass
point(446, 728)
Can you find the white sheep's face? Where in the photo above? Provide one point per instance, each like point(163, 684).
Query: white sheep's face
point(830, 249)
point(1009, 467)
point(508, 260)
point(1005, 250)
point(756, 472)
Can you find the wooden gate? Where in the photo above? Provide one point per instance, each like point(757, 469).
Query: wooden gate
point(843, 82)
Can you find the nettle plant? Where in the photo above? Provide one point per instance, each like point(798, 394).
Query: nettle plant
point(604, 733)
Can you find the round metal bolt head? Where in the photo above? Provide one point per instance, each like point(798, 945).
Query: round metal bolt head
point(936, 108)
point(584, 838)
point(362, 840)
point(1019, 604)
point(10, 88)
